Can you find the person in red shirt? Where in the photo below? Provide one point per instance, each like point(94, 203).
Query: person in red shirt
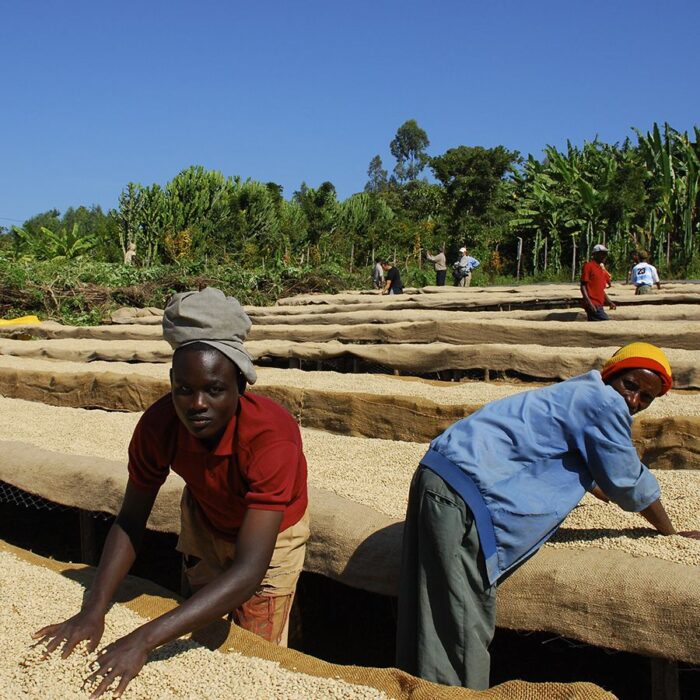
point(594, 280)
point(244, 523)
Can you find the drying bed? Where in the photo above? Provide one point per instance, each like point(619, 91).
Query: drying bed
point(221, 661)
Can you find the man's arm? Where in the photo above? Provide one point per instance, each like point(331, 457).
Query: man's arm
point(656, 514)
point(610, 303)
point(584, 293)
point(117, 558)
point(254, 547)
point(599, 494)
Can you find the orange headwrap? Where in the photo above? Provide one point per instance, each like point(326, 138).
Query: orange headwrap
point(640, 356)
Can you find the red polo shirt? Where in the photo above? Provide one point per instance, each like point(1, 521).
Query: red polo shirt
point(258, 463)
point(596, 280)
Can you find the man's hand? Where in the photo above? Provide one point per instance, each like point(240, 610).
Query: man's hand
point(122, 659)
point(85, 625)
point(598, 493)
point(612, 305)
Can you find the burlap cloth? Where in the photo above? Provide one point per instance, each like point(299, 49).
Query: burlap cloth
point(460, 329)
point(663, 443)
point(522, 294)
point(530, 360)
point(149, 600)
point(601, 597)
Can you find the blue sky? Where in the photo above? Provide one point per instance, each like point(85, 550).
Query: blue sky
point(97, 94)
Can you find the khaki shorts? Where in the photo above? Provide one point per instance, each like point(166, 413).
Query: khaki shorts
point(267, 612)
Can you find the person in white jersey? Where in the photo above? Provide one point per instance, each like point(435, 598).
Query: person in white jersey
point(644, 274)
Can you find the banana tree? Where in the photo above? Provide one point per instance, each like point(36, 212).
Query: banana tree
point(64, 244)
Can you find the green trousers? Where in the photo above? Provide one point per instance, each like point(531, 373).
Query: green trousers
point(447, 609)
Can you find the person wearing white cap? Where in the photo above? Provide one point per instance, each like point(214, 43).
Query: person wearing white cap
point(244, 522)
point(594, 281)
point(462, 269)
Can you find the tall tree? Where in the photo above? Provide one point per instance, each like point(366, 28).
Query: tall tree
point(473, 178)
point(378, 177)
point(408, 147)
point(320, 207)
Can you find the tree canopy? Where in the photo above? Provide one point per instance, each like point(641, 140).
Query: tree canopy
point(643, 193)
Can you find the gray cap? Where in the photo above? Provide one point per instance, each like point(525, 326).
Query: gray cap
point(213, 318)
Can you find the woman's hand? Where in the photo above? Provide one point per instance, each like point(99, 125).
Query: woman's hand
point(122, 659)
point(85, 625)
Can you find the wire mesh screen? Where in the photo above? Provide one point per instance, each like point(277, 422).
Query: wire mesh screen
point(347, 364)
point(16, 496)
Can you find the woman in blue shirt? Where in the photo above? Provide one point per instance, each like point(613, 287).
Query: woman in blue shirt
point(495, 486)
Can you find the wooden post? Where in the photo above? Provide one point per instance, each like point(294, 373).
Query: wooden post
point(664, 680)
point(545, 255)
point(88, 538)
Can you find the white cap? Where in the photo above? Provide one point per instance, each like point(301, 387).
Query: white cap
point(600, 248)
point(462, 250)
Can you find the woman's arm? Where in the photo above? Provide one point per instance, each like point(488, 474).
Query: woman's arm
point(117, 558)
point(254, 547)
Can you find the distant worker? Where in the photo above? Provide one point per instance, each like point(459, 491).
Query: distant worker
point(392, 284)
point(130, 255)
point(462, 269)
point(440, 263)
point(635, 260)
point(644, 274)
point(594, 281)
point(378, 274)
point(495, 486)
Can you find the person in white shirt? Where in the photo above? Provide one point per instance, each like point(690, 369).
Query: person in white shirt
point(644, 275)
point(378, 274)
point(462, 269)
point(440, 262)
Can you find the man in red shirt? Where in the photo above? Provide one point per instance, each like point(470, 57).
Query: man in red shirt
point(244, 523)
point(594, 280)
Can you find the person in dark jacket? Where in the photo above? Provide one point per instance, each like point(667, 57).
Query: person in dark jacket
point(392, 279)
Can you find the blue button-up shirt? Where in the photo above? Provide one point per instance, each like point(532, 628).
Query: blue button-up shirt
point(524, 462)
point(469, 262)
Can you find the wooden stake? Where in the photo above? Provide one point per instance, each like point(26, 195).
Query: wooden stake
point(664, 680)
point(88, 538)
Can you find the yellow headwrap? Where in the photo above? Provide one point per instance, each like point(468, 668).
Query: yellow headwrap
point(640, 356)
